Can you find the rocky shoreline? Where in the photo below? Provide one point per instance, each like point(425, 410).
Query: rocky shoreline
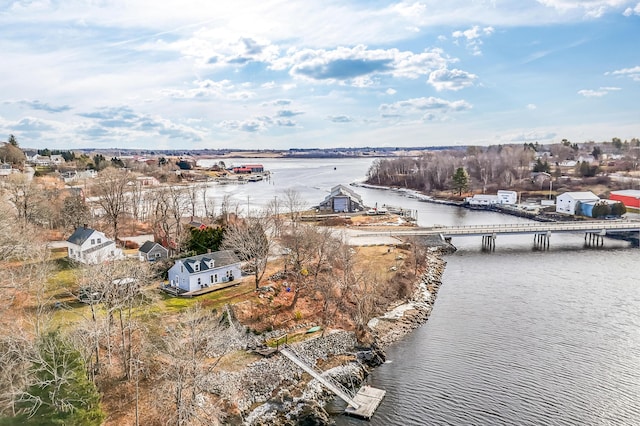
point(273, 391)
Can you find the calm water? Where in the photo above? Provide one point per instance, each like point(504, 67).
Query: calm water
point(517, 336)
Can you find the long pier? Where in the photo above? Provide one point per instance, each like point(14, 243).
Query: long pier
point(594, 231)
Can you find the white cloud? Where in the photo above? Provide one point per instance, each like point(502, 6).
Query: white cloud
point(631, 11)
point(530, 136)
point(422, 106)
point(589, 93)
point(445, 79)
point(391, 91)
point(633, 73)
point(589, 8)
point(472, 36)
point(531, 107)
point(356, 63)
point(208, 89)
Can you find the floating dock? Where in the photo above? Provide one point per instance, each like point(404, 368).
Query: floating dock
point(367, 399)
point(362, 405)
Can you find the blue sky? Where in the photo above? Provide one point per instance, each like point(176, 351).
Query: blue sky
point(278, 74)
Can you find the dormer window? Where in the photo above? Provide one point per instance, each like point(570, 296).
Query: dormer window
point(196, 267)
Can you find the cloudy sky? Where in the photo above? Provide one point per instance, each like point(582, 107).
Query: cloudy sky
point(277, 74)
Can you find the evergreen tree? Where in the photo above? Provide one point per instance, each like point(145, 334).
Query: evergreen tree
point(60, 392)
point(618, 209)
point(460, 180)
point(203, 240)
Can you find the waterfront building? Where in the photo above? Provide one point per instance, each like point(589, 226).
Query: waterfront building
point(507, 197)
point(628, 197)
point(482, 200)
point(342, 199)
point(566, 202)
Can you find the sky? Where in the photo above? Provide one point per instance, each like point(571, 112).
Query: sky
point(280, 74)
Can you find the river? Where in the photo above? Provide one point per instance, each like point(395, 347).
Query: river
point(517, 336)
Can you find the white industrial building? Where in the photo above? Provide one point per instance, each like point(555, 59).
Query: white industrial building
point(507, 197)
point(566, 202)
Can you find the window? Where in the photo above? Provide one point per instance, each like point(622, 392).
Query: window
point(157, 255)
point(196, 268)
point(181, 268)
point(99, 240)
point(70, 251)
point(212, 278)
point(93, 241)
point(215, 278)
point(199, 282)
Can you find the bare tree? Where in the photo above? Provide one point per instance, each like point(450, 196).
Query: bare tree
point(113, 290)
point(294, 204)
point(185, 359)
point(308, 251)
point(111, 187)
point(170, 206)
point(249, 240)
point(23, 193)
point(75, 212)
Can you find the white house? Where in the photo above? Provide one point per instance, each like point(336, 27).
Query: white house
point(507, 197)
point(89, 246)
point(566, 202)
point(482, 200)
point(218, 270)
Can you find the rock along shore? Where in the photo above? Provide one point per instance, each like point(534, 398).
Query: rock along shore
point(273, 391)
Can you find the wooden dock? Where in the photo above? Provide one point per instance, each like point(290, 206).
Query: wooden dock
point(367, 399)
point(362, 405)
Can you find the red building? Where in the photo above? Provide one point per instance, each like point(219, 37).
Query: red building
point(628, 197)
point(249, 168)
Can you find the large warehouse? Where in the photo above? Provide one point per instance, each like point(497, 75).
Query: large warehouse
point(628, 197)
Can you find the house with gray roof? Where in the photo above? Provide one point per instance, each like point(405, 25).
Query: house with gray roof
point(342, 199)
point(211, 270)
point(89, 246)
point(151, 251)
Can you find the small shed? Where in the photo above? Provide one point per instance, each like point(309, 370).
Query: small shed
point(151, 251)
point(566, 202)
point(342, 199)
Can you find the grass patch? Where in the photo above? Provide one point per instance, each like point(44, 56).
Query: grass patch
point(237, 360)
point(214, 300)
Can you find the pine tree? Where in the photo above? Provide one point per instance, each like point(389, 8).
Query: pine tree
point(460, 180)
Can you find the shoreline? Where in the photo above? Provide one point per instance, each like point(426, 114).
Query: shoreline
point(289, 401)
